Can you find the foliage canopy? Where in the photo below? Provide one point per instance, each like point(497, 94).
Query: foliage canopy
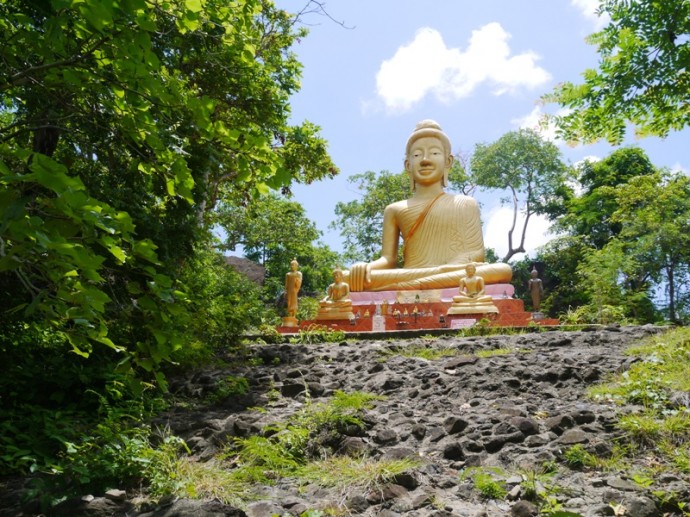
point(121, 126)
point(643, 75)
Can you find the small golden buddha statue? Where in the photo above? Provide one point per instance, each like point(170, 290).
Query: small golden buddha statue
point(471, 299)
point(337, 304)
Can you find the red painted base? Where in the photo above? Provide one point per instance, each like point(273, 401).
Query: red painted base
point(401, 316)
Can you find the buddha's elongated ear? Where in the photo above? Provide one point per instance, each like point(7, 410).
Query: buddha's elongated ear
point(413, 185)
point(446, 171)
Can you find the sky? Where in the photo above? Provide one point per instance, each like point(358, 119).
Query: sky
point(477, 68)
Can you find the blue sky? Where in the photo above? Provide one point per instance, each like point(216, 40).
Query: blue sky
point(477, 68)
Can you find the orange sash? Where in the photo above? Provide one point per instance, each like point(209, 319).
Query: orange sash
point(422, 216)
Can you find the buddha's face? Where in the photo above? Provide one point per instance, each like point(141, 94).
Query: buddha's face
point(338, 276)
point(427, 161)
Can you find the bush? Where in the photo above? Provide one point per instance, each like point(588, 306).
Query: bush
point(307, 309)
point(223, 304)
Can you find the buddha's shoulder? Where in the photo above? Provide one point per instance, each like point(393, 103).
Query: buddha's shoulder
point(461, 200)
point(398, 206)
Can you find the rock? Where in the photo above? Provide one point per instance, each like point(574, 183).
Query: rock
point(386, 436)
point(386, 493)
point(354, 447)
point(573, 436)
point(116, 495)
point(262, 509)
point(407, 480)
point(526, 426)
point(454, 424)
point(514, 493)
point(641, 506)
point(453, 451)
point(399, 453)
point(621, 484)
point(460, 361)
point(357, 503)
point(512, 412)
point(537, 440)
point(559, 423)
point(292, 389)
point(524, 509)
point(496, 442)
point(419, 431)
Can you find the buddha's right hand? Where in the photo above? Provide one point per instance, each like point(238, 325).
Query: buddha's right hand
point(360, 276)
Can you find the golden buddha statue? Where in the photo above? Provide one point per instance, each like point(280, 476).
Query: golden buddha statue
point(442, 232)
point(293, 283)
point(472, 299)
point(337, 304)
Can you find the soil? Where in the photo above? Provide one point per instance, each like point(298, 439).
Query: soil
point(511, 414)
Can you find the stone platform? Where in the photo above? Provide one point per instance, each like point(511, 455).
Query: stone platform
point(370, 316)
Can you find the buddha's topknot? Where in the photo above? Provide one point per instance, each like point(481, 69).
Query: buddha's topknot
point(427, 128)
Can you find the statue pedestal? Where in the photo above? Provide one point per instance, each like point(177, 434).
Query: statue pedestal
point(496, 291)
point(289, 321)
point(472, 308)
point(340, 311)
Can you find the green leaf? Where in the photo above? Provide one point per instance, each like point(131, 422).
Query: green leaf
point(193, 5)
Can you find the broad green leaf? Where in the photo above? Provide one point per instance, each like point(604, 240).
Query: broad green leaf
point(193, 5)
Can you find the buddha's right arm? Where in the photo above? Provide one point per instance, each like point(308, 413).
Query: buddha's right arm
point(357, 276)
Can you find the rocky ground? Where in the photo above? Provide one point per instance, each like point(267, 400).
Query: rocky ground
point(511, 415)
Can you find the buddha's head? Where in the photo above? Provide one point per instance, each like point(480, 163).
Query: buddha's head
point(428, 147)
point(338, 275)
point(294, 264)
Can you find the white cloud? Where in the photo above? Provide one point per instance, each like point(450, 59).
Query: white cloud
point(498, 223)
point(588, 9)
point(592, 158)
point(427, 66)
point(678, 167)
point(535, 120)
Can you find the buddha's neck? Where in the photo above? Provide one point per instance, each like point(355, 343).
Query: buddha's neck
point(422, 192)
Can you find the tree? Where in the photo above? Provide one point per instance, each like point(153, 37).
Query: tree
point(531, 169)
point(562, 286)
point(643, 75)
point(590, 214)
point(122, 124)
point(604, 275)
point(272, 231)
point(361, 221)
point(654, 214)
point(589, 224)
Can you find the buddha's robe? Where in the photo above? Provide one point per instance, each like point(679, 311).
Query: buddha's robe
point(440, 237)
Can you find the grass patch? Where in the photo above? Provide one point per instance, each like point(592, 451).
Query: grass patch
point(660, 384)
point(663, 371)
point(419, 351)
point(286, 447)
point(578, 457)
point(488, 481)
point(344, 472)
point(495, 352)
point(316, 333)
point(210, 481)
